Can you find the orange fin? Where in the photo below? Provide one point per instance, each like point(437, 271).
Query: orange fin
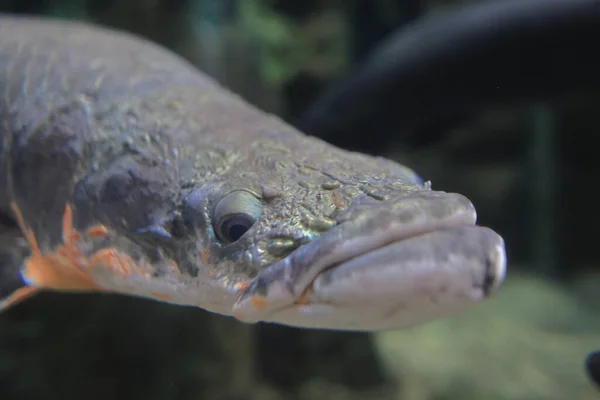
point(18, 296)
point(62, 269)
point(67, 268)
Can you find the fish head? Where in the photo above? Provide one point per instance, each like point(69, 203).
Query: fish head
point(333, 239)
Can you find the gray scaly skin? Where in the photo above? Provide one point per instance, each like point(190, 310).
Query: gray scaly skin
point(230, 209)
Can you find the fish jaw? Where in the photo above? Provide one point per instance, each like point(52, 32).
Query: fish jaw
point(381, 290)
point(418, 259)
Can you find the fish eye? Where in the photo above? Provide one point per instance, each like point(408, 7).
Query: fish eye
point(235, 214)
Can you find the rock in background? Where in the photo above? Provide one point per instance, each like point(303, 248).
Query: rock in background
point(527, 342)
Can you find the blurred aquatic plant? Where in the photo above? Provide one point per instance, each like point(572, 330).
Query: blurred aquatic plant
point(70, 9)
point(287, 46)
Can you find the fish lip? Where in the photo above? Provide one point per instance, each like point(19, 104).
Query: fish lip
point(378, 245)
point(495, 270)
point(284, 283)
point(363, 245)
point(426, 289)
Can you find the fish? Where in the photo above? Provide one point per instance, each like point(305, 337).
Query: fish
point(592, 366)
point(401, 85)
point(124, 169)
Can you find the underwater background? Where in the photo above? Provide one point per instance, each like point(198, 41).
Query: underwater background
point(508, 117)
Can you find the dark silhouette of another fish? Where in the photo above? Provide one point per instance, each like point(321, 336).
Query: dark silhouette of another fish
point(592, 364)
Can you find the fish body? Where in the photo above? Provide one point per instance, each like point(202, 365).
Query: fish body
point(125, 169)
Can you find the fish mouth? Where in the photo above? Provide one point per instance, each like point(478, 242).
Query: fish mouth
point(420, 258)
